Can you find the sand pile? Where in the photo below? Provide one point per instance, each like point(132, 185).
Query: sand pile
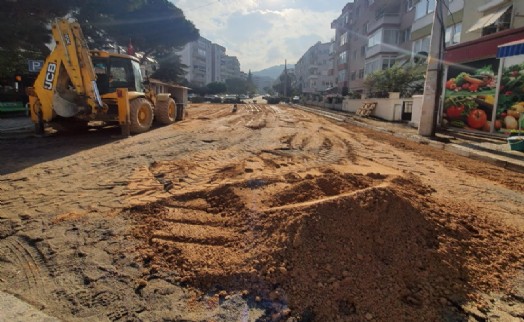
point(330, 247)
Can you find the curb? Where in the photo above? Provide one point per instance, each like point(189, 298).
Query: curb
point(15, 309)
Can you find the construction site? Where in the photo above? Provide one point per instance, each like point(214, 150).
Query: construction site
point(269, 213)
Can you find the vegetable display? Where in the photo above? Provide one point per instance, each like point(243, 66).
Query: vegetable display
point(470, 100)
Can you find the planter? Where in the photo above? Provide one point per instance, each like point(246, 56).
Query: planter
point(516, 143)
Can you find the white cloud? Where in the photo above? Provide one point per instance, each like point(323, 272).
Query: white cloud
point(263, 33)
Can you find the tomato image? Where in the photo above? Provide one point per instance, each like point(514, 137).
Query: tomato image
point(454, 112)
point(477, 118)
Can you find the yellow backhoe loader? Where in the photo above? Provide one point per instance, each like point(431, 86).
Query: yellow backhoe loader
point(76, 86)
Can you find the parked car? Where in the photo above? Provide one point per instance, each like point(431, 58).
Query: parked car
point(231, 99)
point(295, 99)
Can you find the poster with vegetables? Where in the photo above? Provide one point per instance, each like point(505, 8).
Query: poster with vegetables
point(510, 107)
point(469, 98)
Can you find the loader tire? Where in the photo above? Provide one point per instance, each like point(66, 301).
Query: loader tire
point(141, 115)
point(166, 111)
point(180, 112)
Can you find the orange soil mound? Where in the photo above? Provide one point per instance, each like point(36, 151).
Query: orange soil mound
point(333, 246)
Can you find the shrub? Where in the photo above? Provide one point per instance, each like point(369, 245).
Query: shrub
point(408, 80)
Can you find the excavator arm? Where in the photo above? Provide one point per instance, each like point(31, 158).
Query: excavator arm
point(66, 85)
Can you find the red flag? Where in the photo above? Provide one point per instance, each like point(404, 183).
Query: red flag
point(130, 48)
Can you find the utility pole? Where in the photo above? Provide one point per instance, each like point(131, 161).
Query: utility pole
point(433, 83)
point(285, 78)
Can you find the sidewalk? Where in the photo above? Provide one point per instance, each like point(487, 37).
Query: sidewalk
point(481, 147)
point(16, 126)
point(13, 309)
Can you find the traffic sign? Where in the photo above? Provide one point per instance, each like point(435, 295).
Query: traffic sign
point(35, 65)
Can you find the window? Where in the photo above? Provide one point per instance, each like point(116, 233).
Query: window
point(388, 62)
point(372, 66)
point(342, 57)
point(343, 39)
point(357, 11)
point(423, 8)
point(391, 36)
point(354, 55)
point(341, 75)
point(387, 36)
point(365, 27)
point(353, 75)
point(404, 35)
point(502, 23)
point(363, 51)
point(361, 73)
point(421, 45)
point(453, 34)
point(375, 38)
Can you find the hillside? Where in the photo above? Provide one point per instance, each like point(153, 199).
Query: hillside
point(273, 71)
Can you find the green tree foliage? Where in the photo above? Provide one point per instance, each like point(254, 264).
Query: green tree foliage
point(216, 88)
point(23, 23)
point(287, 81)
point(155, 27)
point(236, 86)
point(171, 68)
point(152, 26)
point(251, 87)
point(403, 79)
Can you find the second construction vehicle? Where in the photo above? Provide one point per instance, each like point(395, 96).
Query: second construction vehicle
point(76, 86)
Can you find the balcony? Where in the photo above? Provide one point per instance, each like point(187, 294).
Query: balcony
point(385, 19)
point(381, 48)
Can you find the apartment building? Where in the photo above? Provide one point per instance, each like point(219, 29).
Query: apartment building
point(341, 47)
point(313, 70)
point(218, 53)
point(231, 68)
point(207, 62)
point(371, 35)
point(423, 21)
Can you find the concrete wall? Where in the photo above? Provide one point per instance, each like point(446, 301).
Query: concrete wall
point(331, 106)
point(389, 109)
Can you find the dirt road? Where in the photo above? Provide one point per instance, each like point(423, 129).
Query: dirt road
point(269, 213)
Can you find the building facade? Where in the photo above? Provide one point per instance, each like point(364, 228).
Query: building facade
point(341, 49)
point(314, 69)
point(207, 62)
point(370, 35)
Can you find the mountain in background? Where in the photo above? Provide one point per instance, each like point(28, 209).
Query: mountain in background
point(272, 72)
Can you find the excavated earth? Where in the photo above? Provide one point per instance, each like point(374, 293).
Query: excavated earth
point(267, 214)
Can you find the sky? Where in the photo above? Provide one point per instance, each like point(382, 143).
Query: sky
point(263, 33)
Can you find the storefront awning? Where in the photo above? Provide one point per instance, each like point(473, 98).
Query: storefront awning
point(513, 48)
point(489, 19)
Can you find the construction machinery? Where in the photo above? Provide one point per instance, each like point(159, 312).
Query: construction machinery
point(76, 86)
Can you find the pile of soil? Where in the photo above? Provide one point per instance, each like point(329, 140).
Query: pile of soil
point(332, 246)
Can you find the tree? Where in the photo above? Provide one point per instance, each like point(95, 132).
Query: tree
point(403, 79)
point(24, 24)
point(171, 68)
point(236, 85)
point(289, 79)
point(152, 26)
point(251, 87)
point(216, 88)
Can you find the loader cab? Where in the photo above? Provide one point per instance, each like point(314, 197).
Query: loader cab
point(117, 71)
